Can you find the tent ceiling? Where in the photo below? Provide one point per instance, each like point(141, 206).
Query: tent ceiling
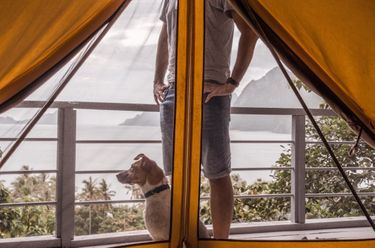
point(37, 34)
point(336, 41)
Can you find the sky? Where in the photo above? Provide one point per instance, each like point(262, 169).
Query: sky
point(121, 68)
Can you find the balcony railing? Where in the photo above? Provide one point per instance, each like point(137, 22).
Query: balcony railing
point(66, 170)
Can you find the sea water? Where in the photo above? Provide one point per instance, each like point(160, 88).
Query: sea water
point(42, 155)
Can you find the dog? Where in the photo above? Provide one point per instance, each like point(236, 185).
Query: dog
point(154, 185)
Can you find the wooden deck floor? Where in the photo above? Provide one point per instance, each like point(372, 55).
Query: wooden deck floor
point(324, 234)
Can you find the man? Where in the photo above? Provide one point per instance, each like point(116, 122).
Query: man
point(219, 84)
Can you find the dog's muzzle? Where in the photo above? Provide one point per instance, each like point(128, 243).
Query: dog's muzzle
point(122, 176)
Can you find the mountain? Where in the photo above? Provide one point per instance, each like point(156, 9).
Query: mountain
point(270, 91)
point(273, 90)
point(47, 119)
point(234, 97)
point(7, 120)
point(143, 119)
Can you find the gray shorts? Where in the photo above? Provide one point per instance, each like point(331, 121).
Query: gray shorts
point(216, 156)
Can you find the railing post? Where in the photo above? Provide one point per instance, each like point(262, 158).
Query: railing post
point(298, 169)
point(65, 182)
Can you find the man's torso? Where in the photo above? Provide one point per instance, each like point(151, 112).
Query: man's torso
point(218, 38)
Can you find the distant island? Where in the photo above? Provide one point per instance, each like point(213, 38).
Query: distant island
point(47, 119)
point(143, 119)
point(8, 120)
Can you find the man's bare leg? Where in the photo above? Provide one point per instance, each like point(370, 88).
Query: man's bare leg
point(221, 206)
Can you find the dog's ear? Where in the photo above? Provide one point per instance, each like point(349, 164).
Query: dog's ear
point(139, 156)
point(143, 158)
point(155, 174)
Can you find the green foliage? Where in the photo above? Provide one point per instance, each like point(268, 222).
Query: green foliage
point(8, 216)
point(104, 218)
point(322, 181)
point(123, 218)
point(31, 188)
point(28, 220)
point(256, 209)
point(299, 85)
point(35, 220)
point(40, 220)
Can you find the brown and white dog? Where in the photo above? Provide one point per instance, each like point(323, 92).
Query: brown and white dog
point(154, 185)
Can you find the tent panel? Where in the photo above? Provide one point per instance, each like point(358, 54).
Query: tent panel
point(178, 217)
point(338, 49)
point(36, 35)
point(150, 245)
point(197, 71)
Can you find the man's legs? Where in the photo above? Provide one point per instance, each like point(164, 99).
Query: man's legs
point(167, 129)
point(221, 203)
point(216, 160)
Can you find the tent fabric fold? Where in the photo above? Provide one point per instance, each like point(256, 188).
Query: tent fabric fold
point(336, 45)
point(37, 34)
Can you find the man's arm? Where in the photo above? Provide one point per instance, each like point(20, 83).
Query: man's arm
point(246, 47)
point(245, 52)
point(161, 65)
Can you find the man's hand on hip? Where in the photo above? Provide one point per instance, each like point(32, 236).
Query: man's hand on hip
point(159, 92)
point(217, 90)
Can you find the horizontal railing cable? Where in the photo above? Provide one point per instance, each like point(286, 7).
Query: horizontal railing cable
point(245, 197)
point(109, 202)
point(22, 172)
point(24, 204)
point(331, 195)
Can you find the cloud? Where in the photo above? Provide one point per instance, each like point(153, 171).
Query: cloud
point(121, 68)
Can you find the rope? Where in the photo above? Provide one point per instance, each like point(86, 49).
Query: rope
point(355, 147)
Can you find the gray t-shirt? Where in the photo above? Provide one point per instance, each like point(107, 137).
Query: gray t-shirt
point(219, 28)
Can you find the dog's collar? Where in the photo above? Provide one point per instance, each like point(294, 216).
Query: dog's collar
point(157, 190)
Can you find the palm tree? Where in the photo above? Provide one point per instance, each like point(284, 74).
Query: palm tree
point(105, 193)
point(104, 190)
point(24, 186)
point(89, 193)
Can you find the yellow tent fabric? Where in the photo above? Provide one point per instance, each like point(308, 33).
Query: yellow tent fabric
point(336, 40)
point(37, 34)
point(48, 45)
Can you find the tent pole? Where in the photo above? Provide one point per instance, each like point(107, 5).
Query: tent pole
point(65, 80)
point(263, 35)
